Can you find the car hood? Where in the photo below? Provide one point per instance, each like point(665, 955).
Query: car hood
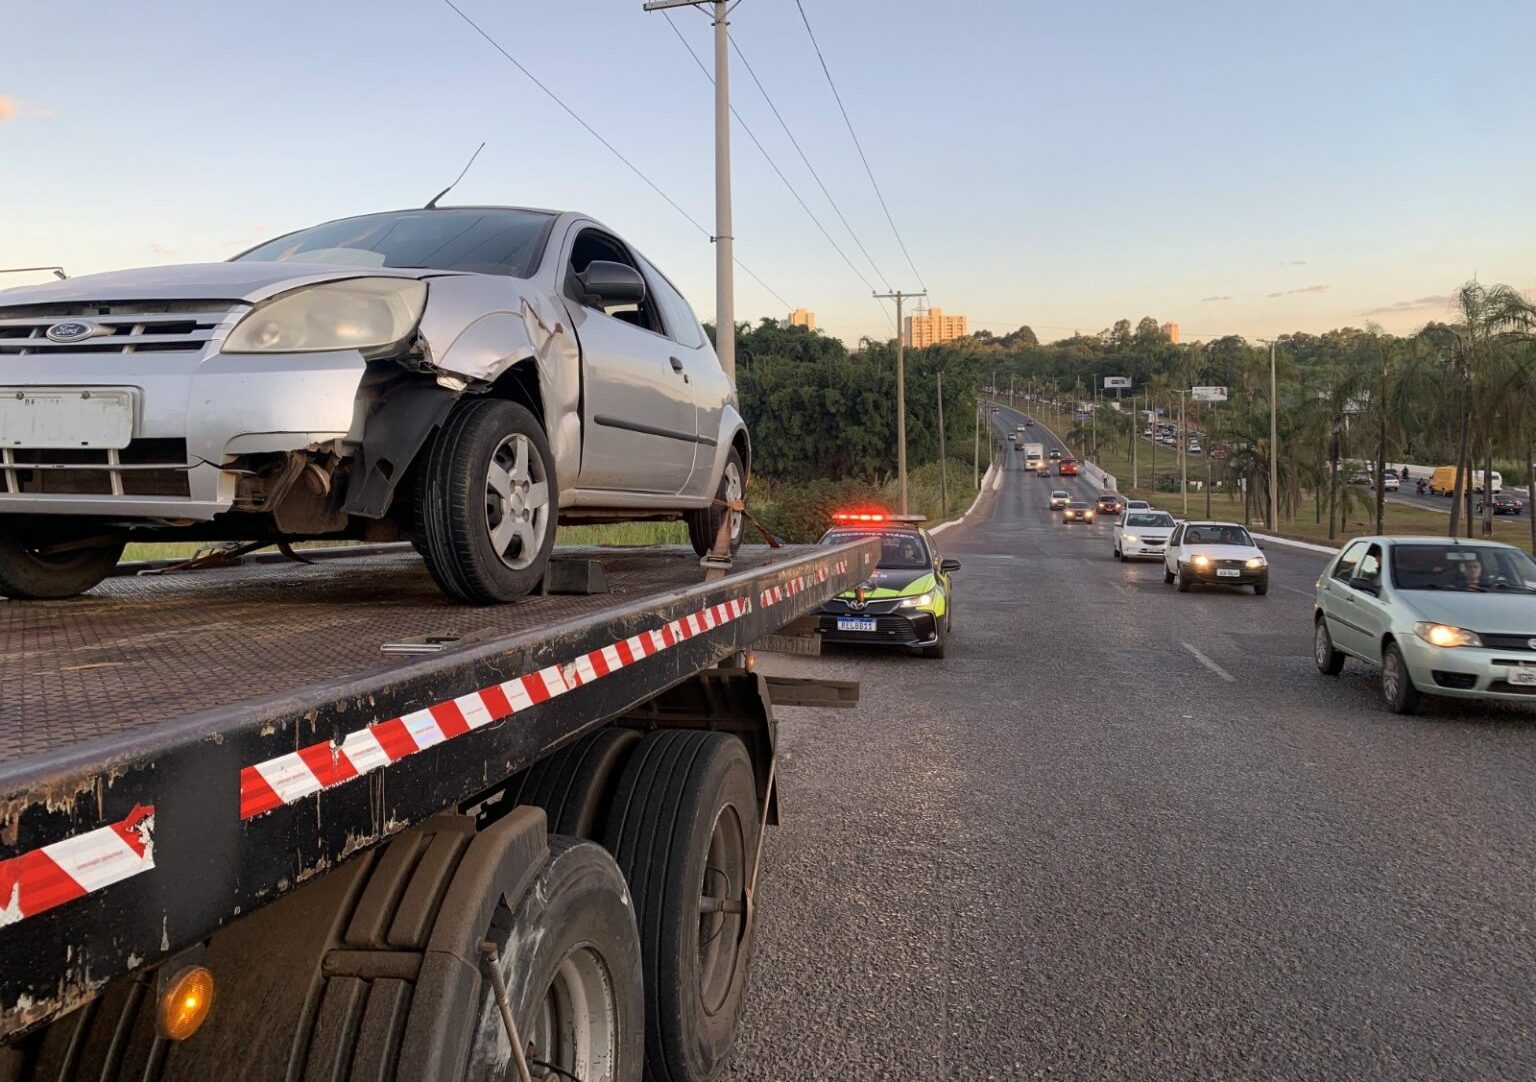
point(1221, 552)
point(1513, 614)
point(885, 583)
point(249, 281)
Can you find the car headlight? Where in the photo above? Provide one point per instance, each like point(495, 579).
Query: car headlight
point(1130, 537)
point(1445, 635)
point(1254, 562)
point(921, 601)
point(1200, 560)
point(360, 313)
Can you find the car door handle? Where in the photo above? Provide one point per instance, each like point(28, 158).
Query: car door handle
point(677, 365)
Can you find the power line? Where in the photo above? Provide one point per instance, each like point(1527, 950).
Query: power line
point(769, 157)
point(611, 148)
point(858, 146)
point(809, 167)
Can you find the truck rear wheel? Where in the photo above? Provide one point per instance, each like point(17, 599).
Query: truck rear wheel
point(487, 503)
point(31, 572)
point(571, 961)
point(575, 785)
point(684, 829)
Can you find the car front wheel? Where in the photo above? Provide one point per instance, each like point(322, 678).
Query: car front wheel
point(33, 571)
point(1396, 684)
point(704, 525)
point(487, 503)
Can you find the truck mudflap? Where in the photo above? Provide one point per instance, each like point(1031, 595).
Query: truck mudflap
point(111, 859)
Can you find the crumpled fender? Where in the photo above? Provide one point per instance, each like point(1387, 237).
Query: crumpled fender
point(476, 327)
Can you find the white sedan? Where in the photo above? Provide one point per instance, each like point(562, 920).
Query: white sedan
point(1142, 533)
point(1215, 553)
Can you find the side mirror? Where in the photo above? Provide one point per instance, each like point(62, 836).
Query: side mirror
point(947, 566)
point(605, 283)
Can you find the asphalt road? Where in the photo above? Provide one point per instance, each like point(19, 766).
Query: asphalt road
point(1126, 833)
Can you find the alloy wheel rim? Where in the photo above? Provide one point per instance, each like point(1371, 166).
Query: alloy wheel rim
point(733, 492)
point(517, 511)
point(1320, 645)
point(1390, 676)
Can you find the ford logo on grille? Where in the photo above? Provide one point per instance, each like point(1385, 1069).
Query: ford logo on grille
point(74, 330)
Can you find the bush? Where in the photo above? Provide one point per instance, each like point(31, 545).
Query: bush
point(800, 512)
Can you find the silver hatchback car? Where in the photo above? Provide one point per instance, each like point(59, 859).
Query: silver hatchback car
point(1438, 616)
point(464, 378)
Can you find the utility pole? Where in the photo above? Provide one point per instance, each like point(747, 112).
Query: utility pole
point(1274, 445)
point(943, 465)
point(1135, 439)
point(976, 451)
point(725, 259)
point(901, 390)
point(1183, 453)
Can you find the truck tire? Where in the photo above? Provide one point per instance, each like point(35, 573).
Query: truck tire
point(487, 503)
point(29, 575)
point(704, 525)
point(570, 957)
point(575, 785)
point(684, 829)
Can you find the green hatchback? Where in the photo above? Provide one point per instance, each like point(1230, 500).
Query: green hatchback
point(1438, 616)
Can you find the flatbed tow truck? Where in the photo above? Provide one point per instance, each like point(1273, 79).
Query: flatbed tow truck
point(301, 821)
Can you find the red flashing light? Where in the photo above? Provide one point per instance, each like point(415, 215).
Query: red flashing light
point(874, 517)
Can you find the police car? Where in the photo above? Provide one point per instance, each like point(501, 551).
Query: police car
point(906, 602)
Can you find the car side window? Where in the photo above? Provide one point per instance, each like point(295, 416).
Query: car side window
point(1370, 566)
point(682, 326)
point(1344, 570)
point(592, 244)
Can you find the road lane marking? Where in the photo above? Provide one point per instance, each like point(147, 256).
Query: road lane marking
point(1299, 593)
point(1209, 664)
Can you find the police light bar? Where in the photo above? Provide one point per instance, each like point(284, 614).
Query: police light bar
point(874, 517)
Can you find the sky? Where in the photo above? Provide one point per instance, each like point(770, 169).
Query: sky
point(1235, 167)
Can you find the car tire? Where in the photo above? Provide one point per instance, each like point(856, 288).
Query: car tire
point(684, 826)
point(487, 503)
point(1167, 575)
point(29, 575)
point(1261, 588)
point(1329, 661)
point(936, 651)
point(704, 524)
point(1396, 684)
point(1183, 582)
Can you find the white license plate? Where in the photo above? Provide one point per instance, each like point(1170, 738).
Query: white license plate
point(1523, 677)
point(56, 418)
point(1227, 573)
point(855, 623)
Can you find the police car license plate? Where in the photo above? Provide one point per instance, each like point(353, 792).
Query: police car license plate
point(864, 623)
point(1524, 676)
point(1227, 572)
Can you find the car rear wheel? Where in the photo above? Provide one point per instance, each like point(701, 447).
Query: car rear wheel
point(1396, 685)
point(1167, 575)
point(31, 570)
point(487, 503)
point(704, 525)
point(1329, 661)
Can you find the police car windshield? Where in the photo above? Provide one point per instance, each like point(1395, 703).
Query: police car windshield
point(898, 551)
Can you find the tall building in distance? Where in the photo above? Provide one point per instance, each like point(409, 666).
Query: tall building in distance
point(802, 317)
point(932, 327)
point(1171, 332)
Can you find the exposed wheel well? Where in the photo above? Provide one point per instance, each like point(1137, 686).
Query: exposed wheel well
point(520, 384)
point(743, 448)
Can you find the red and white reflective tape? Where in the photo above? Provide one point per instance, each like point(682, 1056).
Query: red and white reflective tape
point(296, 775)
point(35, 882)
point(790, 587)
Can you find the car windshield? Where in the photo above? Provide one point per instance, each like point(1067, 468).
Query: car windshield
point(1463, 568)
point(898, 551)
point(1217, 535)
point(1150, 521)
point(481, 240)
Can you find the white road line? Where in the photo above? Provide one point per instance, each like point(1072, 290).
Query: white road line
point(1209, 664)
point(1299, 593)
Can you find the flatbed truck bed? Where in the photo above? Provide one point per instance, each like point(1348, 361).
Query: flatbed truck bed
point(180, 751)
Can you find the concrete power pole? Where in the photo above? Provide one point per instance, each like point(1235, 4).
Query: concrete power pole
point(901, 390)
point(943, 465)
point(1274, 447)
point(725, 259)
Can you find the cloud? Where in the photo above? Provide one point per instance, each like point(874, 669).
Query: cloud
point(1272, 295)
point(12, 107)
point(1207, 300)
point(1294, 292)
point(1439, 300)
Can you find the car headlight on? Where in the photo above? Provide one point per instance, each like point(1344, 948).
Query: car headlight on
point(360, 313)
point(1131, 538)
point(1445, 635)
point(1254, 563)
point(921, 601)
point(1200, 560)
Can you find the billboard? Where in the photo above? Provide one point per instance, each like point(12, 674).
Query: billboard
point(1113, 382)
point(1208, 394)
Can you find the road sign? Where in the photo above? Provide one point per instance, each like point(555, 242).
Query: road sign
point(1208, 394)
point(1112, 382)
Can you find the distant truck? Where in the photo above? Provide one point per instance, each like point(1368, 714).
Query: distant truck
point(1034, 456)
point(1443, 481)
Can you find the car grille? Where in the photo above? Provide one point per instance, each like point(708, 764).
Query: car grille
point(1509, 642)
point(146, 467)
point(133, 327)
point(840, 607)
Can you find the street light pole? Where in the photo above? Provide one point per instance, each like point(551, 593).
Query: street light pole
point(943, 465)
point(901, 391)
point(1184, 452)
point(725, 260)
point(1274, 445)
